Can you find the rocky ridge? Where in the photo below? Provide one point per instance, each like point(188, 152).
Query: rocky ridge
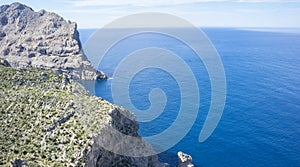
point(43, 39)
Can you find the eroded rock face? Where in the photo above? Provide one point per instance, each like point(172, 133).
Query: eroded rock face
point(43, 39)
point(117, 147)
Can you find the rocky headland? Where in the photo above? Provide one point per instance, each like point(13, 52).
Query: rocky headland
point(47, 118)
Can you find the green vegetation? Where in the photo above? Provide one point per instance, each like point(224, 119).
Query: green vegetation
point(47, 119)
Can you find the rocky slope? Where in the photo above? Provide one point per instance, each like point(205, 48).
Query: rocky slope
point(43, 39)
point(47, 119)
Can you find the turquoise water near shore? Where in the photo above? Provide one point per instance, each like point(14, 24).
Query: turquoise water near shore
point(260, 125)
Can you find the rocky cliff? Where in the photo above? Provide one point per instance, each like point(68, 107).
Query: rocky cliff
point(43, 39)
point(47, 119)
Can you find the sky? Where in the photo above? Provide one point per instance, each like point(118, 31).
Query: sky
point(201, 13)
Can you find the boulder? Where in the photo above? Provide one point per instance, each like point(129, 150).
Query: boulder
point(184, 160)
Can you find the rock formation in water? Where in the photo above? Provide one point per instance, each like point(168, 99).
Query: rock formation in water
point(43, 39)
point(184, 160)
point(47, 119)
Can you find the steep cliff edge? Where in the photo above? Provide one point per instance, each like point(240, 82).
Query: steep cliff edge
point(47, 119)
point(43, 39)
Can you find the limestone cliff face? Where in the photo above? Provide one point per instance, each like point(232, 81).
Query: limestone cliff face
point(43, 39)
point(47, 119)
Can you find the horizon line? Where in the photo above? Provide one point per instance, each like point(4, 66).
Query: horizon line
point(195, 26)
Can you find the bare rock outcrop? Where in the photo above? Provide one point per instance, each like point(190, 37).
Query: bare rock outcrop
point(43, 39)
point(184, 160)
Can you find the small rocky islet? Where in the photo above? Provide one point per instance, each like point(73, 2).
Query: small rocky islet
point(47, 118)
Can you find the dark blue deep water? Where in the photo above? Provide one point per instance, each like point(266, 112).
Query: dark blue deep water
point(260, 125)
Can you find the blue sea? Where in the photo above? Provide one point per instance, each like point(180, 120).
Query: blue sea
point(260, 125)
